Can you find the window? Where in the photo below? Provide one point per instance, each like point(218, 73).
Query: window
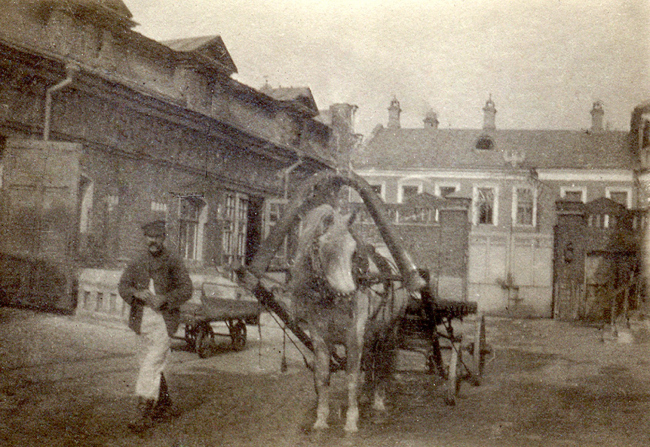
point(408, 191)
point(446, 190)
point(484, 143)
point(573, 194)
point(525, 207)
point(484, 206)
point(191, 220)
point(274, 208)
point(622, 196)
point(86, 191)
point(233, 240)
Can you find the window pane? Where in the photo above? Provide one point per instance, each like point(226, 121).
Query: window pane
point(573, 196)
point(619, 197)
point(446, 190)
point(190, 210)
point(525, 206)
point(485, 206)
point(408, 192)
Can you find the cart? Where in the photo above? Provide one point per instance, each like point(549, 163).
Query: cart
point(221, 300)
point(425, 327)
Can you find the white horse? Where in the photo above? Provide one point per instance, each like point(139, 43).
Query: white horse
point(329, 282)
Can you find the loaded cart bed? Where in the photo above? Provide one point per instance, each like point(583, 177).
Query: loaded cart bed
point(221, 300)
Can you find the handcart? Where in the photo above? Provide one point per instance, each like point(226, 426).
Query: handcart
point(427, 328)
point(221, 300)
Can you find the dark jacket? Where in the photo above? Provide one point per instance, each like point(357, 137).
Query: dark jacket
point(170, 278)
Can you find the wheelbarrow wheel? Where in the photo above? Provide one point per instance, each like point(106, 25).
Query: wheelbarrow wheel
point(190, 336)
point(480, 348)
point(454, 376)
point(238, 335)
point(204, 340)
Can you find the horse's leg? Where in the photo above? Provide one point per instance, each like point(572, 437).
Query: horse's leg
point(322, 380)
point(385, 351)
point(354, 347)
point(353, 371)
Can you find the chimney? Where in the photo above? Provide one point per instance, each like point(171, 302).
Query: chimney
point(597, 114)
point(489, 115)
point(431, 120)
point(344, 139)
point(393, 114)
point(343, 117)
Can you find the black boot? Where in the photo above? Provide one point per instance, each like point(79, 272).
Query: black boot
point(144, 419)
point(164, 408)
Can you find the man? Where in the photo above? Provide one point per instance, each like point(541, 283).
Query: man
point(154, 285)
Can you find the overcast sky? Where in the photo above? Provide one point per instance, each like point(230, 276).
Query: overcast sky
point(543, 61)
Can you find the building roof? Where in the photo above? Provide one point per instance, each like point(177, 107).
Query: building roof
point(113, 10)
point(430, 148)
point(207, 48)
point(298, 96)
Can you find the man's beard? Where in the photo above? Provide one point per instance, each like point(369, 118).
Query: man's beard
point(155, 248)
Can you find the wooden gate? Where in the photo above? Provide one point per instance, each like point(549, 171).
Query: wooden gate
point(39, 221)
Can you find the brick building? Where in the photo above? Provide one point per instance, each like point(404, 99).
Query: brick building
point(513, 178)
point(103, 128)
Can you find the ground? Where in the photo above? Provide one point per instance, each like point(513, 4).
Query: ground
point(69, 382)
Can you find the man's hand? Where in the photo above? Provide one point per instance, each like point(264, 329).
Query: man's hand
point(144, 295)
point(156, 302)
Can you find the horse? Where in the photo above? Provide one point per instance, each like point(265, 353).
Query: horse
point(331, 282)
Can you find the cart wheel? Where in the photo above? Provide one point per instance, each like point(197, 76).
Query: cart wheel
point(480, 347)
point(453, 378)
point(190, 336)
point(238, 335)
point(204, 340)
point(434, 359)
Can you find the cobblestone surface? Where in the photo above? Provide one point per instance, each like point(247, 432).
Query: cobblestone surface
point(66, 382)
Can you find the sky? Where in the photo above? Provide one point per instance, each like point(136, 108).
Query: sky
point(543, 62)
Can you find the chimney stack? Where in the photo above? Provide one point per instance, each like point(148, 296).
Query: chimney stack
point(393, 114)
point(431, 120)
point(489, 115)
point(597, 114)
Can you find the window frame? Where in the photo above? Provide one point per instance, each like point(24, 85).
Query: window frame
point(476, 204)
point(515, 206)
point(581, 189)
point(400, 189)
point(441, 185)
point(235, 228)
point(195, 252)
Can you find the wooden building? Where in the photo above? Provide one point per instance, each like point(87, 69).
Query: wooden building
point(102, 128)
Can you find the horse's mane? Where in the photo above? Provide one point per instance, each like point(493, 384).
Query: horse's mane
point(312, 228)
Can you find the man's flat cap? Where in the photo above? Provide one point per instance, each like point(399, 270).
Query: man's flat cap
point(154, 228)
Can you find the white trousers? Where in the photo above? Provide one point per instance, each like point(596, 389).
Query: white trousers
point(154, 349)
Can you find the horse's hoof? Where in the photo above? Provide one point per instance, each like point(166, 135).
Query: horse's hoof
point(320, 426)
point(350, 429)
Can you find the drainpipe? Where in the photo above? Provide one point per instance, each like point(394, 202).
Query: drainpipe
point(285, 176)
point(70, 71)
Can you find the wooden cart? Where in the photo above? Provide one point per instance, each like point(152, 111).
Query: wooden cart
point(428, 324)
point(221, 300)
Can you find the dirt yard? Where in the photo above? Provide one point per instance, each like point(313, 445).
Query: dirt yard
point(65, 382)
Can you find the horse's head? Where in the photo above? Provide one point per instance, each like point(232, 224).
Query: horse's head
point(331, 247)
